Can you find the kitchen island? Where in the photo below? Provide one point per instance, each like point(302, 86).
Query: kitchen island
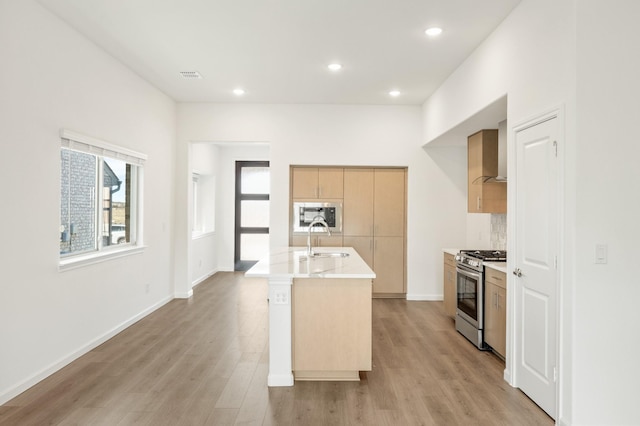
point(319, 314)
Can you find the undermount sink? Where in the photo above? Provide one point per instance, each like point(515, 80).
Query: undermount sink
point(322, 255)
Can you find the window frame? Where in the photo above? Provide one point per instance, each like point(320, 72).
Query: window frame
point(100, 149)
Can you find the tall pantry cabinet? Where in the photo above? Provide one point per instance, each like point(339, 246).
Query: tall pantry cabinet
point(373, 217)
point(374, 223)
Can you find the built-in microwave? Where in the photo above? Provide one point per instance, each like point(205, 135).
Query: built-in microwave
point(305, 212)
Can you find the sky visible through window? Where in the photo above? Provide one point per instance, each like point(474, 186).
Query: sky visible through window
point(120, 169)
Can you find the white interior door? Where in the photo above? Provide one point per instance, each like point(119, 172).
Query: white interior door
point(536, 262)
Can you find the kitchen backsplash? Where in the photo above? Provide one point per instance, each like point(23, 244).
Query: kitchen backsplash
point(498, 235)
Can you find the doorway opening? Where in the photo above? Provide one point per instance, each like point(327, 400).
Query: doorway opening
point(251, 213)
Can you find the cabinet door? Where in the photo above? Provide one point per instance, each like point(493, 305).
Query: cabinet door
point(501, 341)
point(482, 160)
point(317, 241)
point(491, 323)
point(330, 183)
point(474, 171)
point(300, 240)
point(388, 262)
point(450, 294)
point(304, 182)
point(389, 202)
point(326, 241)
point(495, 333)
point(357, 211)
point(364, 247)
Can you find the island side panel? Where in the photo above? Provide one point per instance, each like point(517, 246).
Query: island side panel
point(280, 362)
point(331, 328)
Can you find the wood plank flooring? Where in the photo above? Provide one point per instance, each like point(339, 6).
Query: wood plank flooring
point(204, 361)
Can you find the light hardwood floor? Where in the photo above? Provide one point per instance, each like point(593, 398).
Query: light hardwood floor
point(205, 361)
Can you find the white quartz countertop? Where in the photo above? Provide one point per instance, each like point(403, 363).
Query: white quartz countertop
point(292, 262)
point(498, 266)
point(451, 251)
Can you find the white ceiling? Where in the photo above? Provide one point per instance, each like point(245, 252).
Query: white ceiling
point(278, 50)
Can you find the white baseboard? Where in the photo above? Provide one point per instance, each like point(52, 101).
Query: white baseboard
point(11, 393)
point(204, 277)
point(425, 297)
point(183, 294)
point(276, 380)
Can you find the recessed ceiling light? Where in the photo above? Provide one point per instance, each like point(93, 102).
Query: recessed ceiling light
point(394, 93)
point(433, 31)
point(238, 92)
point(335, 67)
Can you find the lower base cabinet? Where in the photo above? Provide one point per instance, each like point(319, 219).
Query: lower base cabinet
point(332, 333)
point(385, 255)
point(495, 310)
point(450, 293)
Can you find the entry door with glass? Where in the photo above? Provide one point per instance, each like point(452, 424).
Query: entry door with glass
point(252, 213)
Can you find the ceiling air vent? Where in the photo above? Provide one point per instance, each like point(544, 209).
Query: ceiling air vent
point(190, 75)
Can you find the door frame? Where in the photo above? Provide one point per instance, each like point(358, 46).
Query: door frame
point(240, 265)
point(562, 347)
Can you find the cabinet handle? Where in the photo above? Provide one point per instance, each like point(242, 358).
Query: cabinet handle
point(478, 202)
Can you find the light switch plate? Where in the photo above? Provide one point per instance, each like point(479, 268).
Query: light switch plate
point(601, 253)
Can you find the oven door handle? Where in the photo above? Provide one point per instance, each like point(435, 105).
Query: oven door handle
point(469, 274)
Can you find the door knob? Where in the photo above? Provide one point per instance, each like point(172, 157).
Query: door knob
point(517, 272)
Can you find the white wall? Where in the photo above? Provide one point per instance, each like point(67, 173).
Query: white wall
point(349, 135)
point(53, 78)
point(607, 319)
point(532, 58)
point(204, 241)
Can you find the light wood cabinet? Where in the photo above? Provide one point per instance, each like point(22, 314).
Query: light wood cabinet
point(388, 264)
point(316, 182)
point(482, 162)
point(450, 292)
point(495, 310)
point(321, 240)
point(373, 217)
point(331, 321)
point(357, 213)
point(374, 224)
point(364, 247)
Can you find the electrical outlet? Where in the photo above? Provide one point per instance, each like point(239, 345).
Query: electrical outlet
point(280, 298)
point(147, 288)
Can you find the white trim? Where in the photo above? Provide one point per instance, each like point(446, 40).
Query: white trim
point(425, 297)
point(66, 360)
point(83, 143)
point(79, 261)
point(198, 235)
point(203, 278)
point(510, 372)
point(183, 294)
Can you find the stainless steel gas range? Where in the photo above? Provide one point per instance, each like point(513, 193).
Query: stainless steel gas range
point(470, 289)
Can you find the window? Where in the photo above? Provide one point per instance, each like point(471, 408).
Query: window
point(99, 197)
point(203, 208)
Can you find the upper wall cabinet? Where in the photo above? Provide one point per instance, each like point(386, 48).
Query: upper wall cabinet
point(491, 196)
point(314, 182)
